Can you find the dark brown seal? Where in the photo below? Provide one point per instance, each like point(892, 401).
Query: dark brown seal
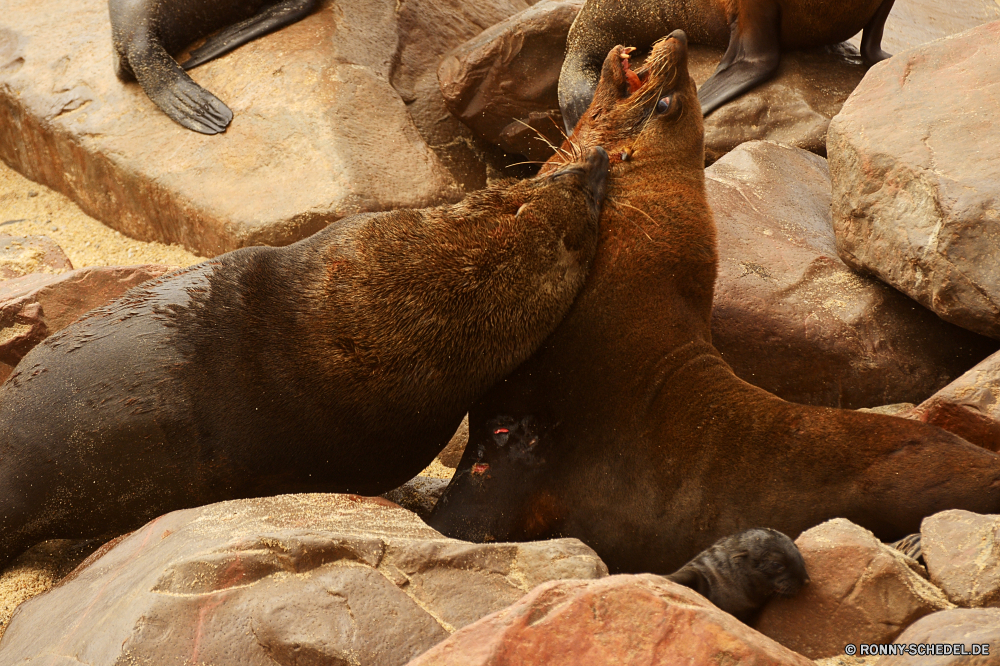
point(341, 363)
point(628, 430)
point(146, 34)
point(754, 32)
point(742, 572)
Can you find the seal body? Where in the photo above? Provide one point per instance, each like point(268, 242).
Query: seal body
point(342, 363)
point(753, 32)
point(742, 572)
point(146, 34)
point(628, 431)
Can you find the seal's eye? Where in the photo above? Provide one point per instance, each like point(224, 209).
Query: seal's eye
point(664, 104)
point(773, 567)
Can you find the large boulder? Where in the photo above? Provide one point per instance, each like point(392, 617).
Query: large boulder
point(35, 306)
point(933, 640)
point(861, 591)
point(294, 579)
point(962, 551)
point(791, 317)
point(916, 184)
point(638, 620)
point(912, 23)
point(319, 132)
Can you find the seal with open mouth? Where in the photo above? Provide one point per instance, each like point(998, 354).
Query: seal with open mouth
point(342, 363)
point(754, 33)
point(628, 431)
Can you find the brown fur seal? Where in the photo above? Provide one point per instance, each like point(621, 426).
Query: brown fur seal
point(628, 431)
point(754, 32)
point(742, 572)
point(146, 34)
point(342, 363)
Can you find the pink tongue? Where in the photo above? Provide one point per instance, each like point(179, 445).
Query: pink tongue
point(633, 81)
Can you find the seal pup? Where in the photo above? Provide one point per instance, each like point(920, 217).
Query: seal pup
point(146, 34)
point(342, 363)
point(627, 429)
point(742, 572)
point(754, 33)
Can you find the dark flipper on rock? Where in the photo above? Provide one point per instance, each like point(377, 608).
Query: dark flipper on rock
point(910, 545)
point(269, 19)
point(751, 58)
point(174, 91)
point(871, 38)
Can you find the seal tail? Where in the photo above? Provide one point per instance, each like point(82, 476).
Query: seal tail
point(267, 20)
point(174, 91)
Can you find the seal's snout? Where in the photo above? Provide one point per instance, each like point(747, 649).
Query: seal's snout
point(680, 36)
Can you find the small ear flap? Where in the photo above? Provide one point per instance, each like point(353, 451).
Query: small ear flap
point(686, 577)
point(740, 554)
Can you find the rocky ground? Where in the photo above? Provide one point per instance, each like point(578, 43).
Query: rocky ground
point(866, 280)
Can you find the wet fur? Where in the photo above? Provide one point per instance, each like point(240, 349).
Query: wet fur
point(645, 444)
point(342, 363)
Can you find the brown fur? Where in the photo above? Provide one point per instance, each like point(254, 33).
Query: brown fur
point(642, 436)
point(342, 363)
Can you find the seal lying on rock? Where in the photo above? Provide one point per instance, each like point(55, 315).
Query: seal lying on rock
point(146, 34)
point(628, 431)
point(742, 572)
point(342, 363)
point(754, 32)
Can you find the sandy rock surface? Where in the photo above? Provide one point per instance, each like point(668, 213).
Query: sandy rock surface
point(917, 203)
point(861, 591)
point(332, 578)
point(962, 551)
point(957, 627)
point(790, 317)
point(641, 620)
point(915, 22)
point(21, 255)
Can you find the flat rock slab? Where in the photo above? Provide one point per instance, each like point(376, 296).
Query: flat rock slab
point(962, 551)
point(912, 23)
point(21, 255)
point(969, 406)
point(916, 186)
point(504, 80)
point(294, 579)
point(790, 317)
point(861, 591)
point(319, 133)
point(35, 306)
point(969, 629)
point(635, 620)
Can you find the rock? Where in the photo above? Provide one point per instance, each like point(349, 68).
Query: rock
point(294, 579)
point(35, 306)
point(792, 318)
point(972, 629)
point(969, 406)
point(641, 620)
point(452, 453)
point(862, 591)
point(962, 551)
point(895, 409)
point(21, 255)
point(915, 185)
point(506, 77)
point(319, 132)
point(419, 494)
point(915, 22)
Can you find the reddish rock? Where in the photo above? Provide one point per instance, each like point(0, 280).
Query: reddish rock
point(862, 591)
point(505, 78)
point(792, 318)
point(35, 306)
point(453, 452)
point(294, 579)
point(319, 132)
point(622, 620)
point(962, 551)
point(969, 406)
point(916, 185)
point(915, 22)
point(958, 626)
point(419, 494)
point(21, 255)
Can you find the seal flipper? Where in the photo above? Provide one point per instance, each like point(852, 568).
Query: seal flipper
point(751, 58)
point(871, 38)
point(267, 20)
point(173, 90)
